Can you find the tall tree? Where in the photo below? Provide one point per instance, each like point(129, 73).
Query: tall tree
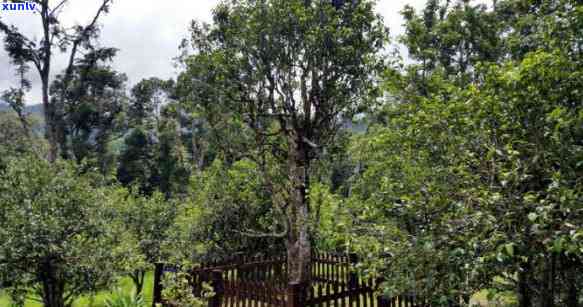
point(40, 54)
point(154, 156)
point(92, 101)
point(450, 37)
point(137, 161)
point(287, 71)
point(173, 167)
point(149, 97)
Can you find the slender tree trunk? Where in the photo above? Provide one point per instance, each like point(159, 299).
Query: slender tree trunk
point(45, 71)
point(572, 293)
point(571, 281)
point(553, 279)
point(524, 293)
point(54, 133)
point(51, 129)
point(53, 287)
point(298, 241)
point(546, 297)
point(138, 279)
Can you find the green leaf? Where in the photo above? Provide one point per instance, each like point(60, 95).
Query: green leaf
point(532, 216)
point(509, 248)
point(558, 246)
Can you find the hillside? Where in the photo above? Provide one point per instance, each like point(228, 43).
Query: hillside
point(34, 109)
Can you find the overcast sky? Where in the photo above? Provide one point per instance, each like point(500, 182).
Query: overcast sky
point(147, 32)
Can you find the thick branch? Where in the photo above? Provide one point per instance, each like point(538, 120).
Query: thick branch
point(256, 234)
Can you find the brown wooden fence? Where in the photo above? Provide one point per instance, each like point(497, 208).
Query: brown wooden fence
point(262, 282)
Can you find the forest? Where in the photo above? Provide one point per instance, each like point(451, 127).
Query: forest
point(447, 160)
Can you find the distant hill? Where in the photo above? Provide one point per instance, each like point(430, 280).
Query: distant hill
point(33, 109)
point(35, 112)
point(36, 109)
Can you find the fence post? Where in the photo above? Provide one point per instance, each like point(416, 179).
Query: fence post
point(278, 270)
point(353, 276)
point(352, 279)
point(157, 292)
point(218, 288)
point(296, 294)
point(383, 301)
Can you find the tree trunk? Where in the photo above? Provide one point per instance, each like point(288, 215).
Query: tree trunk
point(546, 297)
point(572, 293)
point(45, 71)
point(298, 241)
point(53, 294)
point(524, 293)
point(138, 279)
point(49, 115)
point(553, 279)
point(570, 275)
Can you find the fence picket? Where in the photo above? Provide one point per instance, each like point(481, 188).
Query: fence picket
point(260, 281)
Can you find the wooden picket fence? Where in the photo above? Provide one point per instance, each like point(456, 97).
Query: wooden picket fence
point(262, 282)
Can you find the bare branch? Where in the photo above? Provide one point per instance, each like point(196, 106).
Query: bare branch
point(59, 6)
point(312, 144)
point(80, 38)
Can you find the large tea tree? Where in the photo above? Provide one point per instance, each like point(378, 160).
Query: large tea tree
point(287, 71)
point(56, 236)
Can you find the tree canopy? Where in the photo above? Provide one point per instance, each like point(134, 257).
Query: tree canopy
point(454, 170)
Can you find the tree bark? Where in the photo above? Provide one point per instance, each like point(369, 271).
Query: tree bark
point(524, 293)
point(570, 276)
point(54, 132)
point(572, 292)
point(546, 297)
point(53, 287)
point(44, 71)
point(298, 241)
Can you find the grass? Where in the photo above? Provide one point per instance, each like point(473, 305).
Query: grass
point(480, 299)
point(97, 300)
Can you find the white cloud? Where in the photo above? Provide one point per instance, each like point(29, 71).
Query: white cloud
point(147, 32)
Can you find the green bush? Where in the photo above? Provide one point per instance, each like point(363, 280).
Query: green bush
point(57, 236)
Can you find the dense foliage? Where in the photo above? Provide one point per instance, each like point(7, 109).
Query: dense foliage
point(455, 172)
point(56, 235)
point(472, 171)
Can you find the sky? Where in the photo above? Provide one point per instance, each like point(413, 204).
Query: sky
point(147, 32)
